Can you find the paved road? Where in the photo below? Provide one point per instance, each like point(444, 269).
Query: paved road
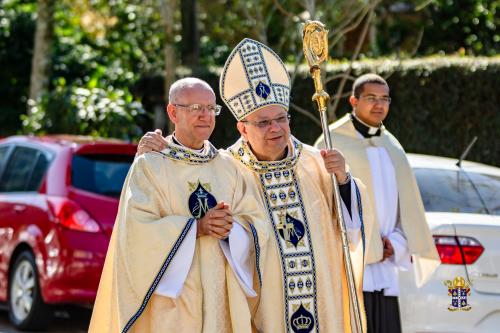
point(76, 321)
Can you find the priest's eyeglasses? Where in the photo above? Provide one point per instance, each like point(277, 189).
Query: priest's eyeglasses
point(198, 108)
point(372, 99)
point(268, 122)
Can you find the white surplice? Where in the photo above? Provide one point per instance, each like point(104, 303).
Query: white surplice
point(384, 275)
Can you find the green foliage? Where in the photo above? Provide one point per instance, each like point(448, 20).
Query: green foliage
point(16, 45)
point(107, 44)
point(468, 26)
point(101, 48)
point(448, 26)
point(96, 112)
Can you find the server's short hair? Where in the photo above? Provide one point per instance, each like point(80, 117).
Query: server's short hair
point(358, 85)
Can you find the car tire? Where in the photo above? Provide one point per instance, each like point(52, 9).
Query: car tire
point(27, 311)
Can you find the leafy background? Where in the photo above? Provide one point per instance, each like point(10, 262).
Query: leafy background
point(108, 67)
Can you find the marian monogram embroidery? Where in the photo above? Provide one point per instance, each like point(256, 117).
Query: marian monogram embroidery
point(200, 200)
point(262, 90)
point(290, 229)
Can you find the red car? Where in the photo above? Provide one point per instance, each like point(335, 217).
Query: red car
point(58, 202)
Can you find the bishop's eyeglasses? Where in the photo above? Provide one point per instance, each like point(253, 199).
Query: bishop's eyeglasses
point(266, 123)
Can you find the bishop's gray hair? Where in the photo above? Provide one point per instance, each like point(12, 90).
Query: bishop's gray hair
point(186, 83)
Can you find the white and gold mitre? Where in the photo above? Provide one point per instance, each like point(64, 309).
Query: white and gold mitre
point(253, 77)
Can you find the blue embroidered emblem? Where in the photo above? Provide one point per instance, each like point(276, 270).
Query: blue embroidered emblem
point(200, 201)
point(262, 90)
point(292, 230)
point(302, 320)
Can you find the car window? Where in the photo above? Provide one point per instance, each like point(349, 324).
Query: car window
point(24, 170)
point(3, 153)
point(41, 165)
point(488, 187)
point(4, 150)
point(101, 174)
point(456, 191)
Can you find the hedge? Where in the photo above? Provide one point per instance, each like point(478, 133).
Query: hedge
point(438, 105)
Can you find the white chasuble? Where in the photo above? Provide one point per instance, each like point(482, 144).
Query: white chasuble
point(158, 277)
point(303, 279)
point(411, 209)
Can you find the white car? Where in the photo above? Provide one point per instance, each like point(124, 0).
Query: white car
point(463, 212)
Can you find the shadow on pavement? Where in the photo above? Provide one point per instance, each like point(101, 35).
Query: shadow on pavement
point(66, 320)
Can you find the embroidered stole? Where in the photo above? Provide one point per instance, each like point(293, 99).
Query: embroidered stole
point(180, 153)
point(286, 211)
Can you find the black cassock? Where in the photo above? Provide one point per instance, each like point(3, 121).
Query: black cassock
point(382, 312)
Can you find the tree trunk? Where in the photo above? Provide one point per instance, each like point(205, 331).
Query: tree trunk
point(168, 9)
point(190, 47)
point(41, 61)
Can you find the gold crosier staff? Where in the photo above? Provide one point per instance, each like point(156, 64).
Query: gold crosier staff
point(315, 44)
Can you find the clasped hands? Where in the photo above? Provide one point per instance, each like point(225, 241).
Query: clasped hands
point(217, 222)
point(388, 248)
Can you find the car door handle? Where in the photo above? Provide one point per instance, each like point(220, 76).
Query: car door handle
point(19, 208)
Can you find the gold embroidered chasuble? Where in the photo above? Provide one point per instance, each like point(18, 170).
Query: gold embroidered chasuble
point(303, 280)
point(412, 214)
point(161, 197)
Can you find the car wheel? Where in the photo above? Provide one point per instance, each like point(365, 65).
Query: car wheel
point(27, 311)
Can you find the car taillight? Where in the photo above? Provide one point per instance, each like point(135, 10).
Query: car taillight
point(458, 250)
point(72, 216)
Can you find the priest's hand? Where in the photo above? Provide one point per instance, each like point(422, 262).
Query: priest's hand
point(217, 222)
point(388, 249)
point(335, 164)
point(151, 141)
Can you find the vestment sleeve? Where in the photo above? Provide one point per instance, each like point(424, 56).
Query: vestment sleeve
point(248, 238)
point(145, 241)
point(238, 251)
point(401, 257)
point(149, 239)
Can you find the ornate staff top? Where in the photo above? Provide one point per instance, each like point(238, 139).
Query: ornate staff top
point(315, 43)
